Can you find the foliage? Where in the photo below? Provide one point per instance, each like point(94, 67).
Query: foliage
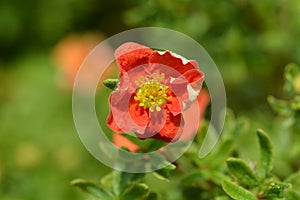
point(249, 41)
point(122, 185)
point(261, 183)
point(223, 174)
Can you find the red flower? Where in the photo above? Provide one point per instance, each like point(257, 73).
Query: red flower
point(155, 88)
point(203, 100)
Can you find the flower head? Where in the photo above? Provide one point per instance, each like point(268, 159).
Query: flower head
point(155, 89)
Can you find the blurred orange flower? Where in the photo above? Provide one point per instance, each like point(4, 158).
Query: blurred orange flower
point(70, 53)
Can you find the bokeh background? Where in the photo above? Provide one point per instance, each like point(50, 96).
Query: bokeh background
point(42, 44)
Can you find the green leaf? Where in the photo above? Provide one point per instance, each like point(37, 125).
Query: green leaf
point(266, 154)
point(111, 83)
point(170, 166)
point(291, 73)
point(92, 189)
point(124, 179)
point(164, 173)
point(107, 181)
point(279, 106)
point(241, 171)
point(237, 192)
point(135, 192)
point(276, 190)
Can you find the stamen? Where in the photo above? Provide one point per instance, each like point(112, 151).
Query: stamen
point(151, 93)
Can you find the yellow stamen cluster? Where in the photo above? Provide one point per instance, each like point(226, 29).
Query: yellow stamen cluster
point(151, 93)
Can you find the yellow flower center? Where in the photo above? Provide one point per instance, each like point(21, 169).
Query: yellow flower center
point(151, 93)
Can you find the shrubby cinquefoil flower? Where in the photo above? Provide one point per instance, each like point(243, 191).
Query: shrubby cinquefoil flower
point(155, 88)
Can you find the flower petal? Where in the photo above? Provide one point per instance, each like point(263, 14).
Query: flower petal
point(172, 128)
point(128, 79)
point(174, 105)
point(196, 79)
point(188, 82)
point(112, 124)
point(173, 61)
point(138, 114)
point(157, 122)
point(126, 114)
point(131, 55)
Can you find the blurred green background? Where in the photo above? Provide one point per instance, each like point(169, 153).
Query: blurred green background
point(41, 42)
